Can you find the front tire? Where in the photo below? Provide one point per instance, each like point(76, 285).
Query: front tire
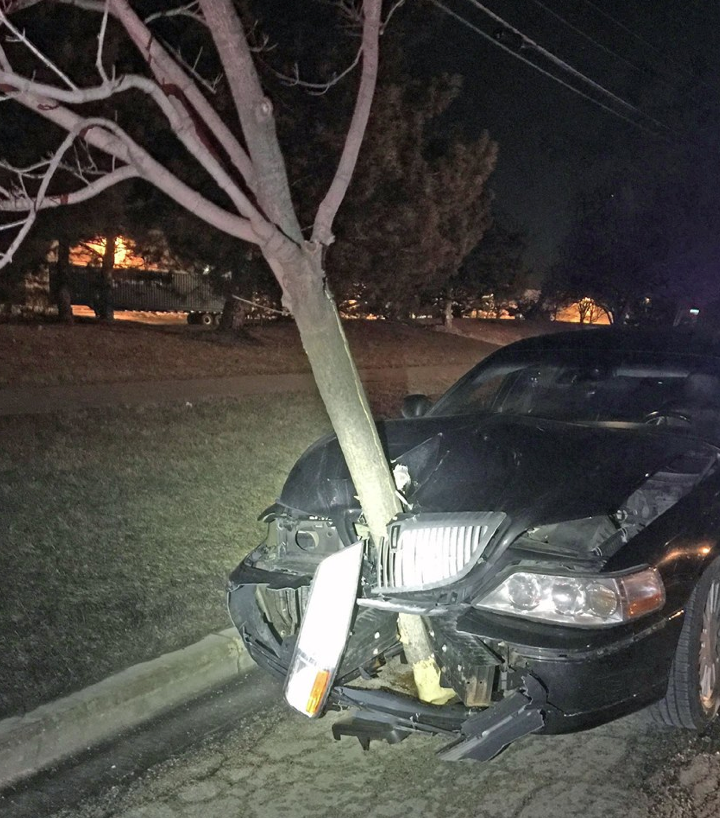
point(692, 700)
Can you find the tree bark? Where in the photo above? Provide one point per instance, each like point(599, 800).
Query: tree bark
point(338, 382)
point(59, 284)
point(232, 318)
point(106, 310)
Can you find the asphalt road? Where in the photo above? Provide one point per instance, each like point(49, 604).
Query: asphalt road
point(240, 752)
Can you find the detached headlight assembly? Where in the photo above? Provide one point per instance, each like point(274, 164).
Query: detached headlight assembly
point(590, 601)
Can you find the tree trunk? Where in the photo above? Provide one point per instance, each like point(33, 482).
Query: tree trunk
point(106, 310)
point(59, 284)
point(303, 282)
point(232, 318)
point(447, 318)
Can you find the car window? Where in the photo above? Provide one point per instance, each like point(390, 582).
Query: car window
point(484, 393)
point(572, 385)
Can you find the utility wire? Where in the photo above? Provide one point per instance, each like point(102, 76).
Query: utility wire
point(665, 77)
point(685, 70)
point(566, 66)
point(549, 74)
point(602, 47)
point(638, 38)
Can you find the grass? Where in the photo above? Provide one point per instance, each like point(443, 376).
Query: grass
point(119, 529)
point(90, 352)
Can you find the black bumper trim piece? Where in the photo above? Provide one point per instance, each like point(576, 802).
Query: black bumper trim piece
point(389, 717)
point(487, 734)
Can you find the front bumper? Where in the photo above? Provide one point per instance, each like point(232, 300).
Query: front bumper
point(544, 687)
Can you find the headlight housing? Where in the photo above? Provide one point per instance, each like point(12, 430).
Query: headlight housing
point(580, 600)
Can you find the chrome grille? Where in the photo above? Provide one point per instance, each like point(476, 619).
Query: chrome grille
point(431, 550)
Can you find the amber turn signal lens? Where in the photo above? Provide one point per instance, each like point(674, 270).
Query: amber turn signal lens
point(318, 691)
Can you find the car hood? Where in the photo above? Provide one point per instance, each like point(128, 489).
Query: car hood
point(536, 471)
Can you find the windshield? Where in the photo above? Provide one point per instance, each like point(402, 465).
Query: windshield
point(580, 385)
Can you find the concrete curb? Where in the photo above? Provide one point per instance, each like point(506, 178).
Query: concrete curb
point(64, 727)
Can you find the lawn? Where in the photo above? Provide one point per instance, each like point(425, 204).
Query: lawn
point(90, 352)
point(119, 527)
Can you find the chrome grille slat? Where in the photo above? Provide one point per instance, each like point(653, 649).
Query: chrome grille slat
point(431, 550)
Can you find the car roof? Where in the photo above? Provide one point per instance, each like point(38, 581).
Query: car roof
point(600, 339)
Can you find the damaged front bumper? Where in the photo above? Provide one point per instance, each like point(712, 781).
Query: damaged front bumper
point(268, 618)
point(510, 680)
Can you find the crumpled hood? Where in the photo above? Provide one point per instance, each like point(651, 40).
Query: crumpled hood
point(535, 470)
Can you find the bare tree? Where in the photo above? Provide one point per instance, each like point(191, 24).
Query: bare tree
point(249, 171)
point(251, 174)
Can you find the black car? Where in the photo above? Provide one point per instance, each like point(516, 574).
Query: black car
point(559, 542)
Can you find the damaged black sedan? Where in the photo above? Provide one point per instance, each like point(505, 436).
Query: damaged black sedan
point(558, 553)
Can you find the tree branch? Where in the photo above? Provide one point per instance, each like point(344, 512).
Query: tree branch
point(190, 10)
point(101, 45)
point(167, 72)
point(180, 121)
point(210, 86)
point(112, 140)
point(33, 205)
point(322, 231)
point(317, 88)
point(255, 112)
point(23, 204)
point(34, 50)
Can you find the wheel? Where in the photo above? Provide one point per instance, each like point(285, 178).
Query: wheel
point(206, 319)
point(692, 700)
point(192, 318)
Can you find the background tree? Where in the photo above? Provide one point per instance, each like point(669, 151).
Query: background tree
point(494, 268)
point(614, 252)
point(417, 205)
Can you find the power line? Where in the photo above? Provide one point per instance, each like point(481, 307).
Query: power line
point(687, 71)
point(566, 66)
point(637, 37)
point(592, 40)
point(666, 77)
point(546, 73)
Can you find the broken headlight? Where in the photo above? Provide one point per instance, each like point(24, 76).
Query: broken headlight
point(580, 600)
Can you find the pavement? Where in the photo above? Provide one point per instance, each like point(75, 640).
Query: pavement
point(270, 762)
point(23, 400)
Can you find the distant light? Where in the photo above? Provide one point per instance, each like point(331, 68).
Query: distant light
point(694, 311)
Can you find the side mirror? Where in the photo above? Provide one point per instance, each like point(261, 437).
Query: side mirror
point(415, 406)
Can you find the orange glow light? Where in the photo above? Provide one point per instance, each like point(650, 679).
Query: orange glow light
point(91, 252)
point(644, 605)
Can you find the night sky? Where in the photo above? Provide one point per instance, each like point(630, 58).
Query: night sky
point(553, 143)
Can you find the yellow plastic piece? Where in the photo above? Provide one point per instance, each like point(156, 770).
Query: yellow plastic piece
point(427, 680)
